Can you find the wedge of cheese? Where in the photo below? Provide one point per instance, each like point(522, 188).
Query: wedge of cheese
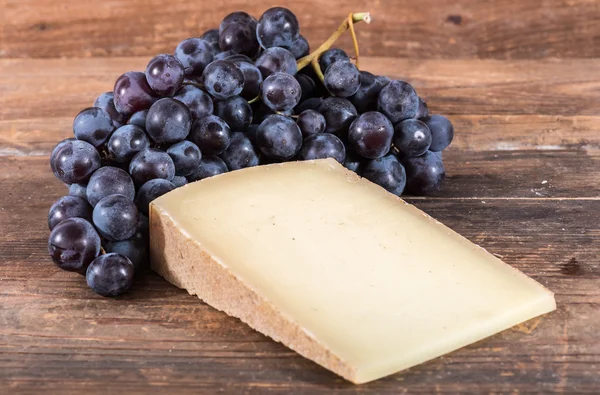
point(336, 268)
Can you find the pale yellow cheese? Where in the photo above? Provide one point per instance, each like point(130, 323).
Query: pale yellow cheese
point(335, 267)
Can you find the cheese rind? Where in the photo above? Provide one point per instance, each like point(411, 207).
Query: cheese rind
point(335, 267)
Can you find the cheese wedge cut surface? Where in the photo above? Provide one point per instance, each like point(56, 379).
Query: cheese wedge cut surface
point(335, 267)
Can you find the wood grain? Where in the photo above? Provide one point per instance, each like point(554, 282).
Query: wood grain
point(506, 29)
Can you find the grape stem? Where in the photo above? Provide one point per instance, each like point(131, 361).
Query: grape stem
point(354, 40)
point(356, 17)
point(315, 65)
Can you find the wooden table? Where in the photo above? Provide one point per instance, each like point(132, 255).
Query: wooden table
point(523, 181)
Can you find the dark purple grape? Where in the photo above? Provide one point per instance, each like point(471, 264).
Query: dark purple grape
point(127, 141)
point(211, 134)
point(252, 79)
point(238, 18)
point(110, 274)
point(313, 103)
point(223, 79)
point(412, 137)
point(132, 93)
point(274, 60)
point(150, 191)
point(135, 250)
point(277, 27)
point(224, 55)
point(107, 181)
point(168, 121)
point(139, 119)
point(278, 137)
point(106, 101)
point(353, 161)
point(425, 173)
point(78, 190)
point(386, 172)
point(236, 112)
point(371, 135)
point(116, 217)
point(398, 101)
point(186, 157)
point(165, 74)
point(56, 150)
point(212, 38)
point(197, 101)
point(68, 207)
point(299, 47)
point(250, 132)
point(311, 122)
point(194, 54)
point(209, 166)
point(93, 125)
point(423, 111)
point(239, 38)
point(339, 114)
point(442, 132)
point(240, 153)
point(342, 79)
point(332, 56)
point(180, 181)
point(280, 92)
point(74, 161)
point(321, 146)
point(73, 244)
point(307, 86)
point(365, 98)
point(149, 164)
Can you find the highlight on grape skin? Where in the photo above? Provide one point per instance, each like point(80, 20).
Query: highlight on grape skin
point(250, 91)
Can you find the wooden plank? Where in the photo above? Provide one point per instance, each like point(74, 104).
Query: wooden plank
point(434, 29)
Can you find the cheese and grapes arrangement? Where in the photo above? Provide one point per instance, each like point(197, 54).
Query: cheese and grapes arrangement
point(265, 178)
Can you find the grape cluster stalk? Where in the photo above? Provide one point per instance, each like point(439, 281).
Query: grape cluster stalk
point(247, 93)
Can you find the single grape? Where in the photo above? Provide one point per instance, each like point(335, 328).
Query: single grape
point(236, 112)
point(332, 56)
point(150, 191)
point(165, 74)
point(180, 181)
point(139, 119)
point(106, 101)
point(365, 98)
point(321, 146)
point(209, 166)
point(68, 207)
point(56, 150)
point(311, 122)
point(353, 161)
point(299, 47)
point(308, 87)
point(151, 163)
point(277, 27)
point(186, 157)
point(371, 135)
point(398, 101)
point(339, 114)
point(132, 93)
point(168, 121)
point(110, 274)
point(442, 132)
point(386, 172)
point(278, 137)
point(134, 249)
point(211, 134)
point(127, 141)
point(93, 125)
point(238, 18)
point(212, 38)
point(197, 101)
point(252, 79)
point(78, 190)
point(223, 79)
point(342, 79)
point(423, 111)
point(115, 217)
point(274, 60)
point(313, 103)
point(280, 92)
point(239, 38)
point(412, 137)
point(107, 181)
point(240, 153)
point(73, 244)
point(74, 161)
point(425, 173)
point(194, 54)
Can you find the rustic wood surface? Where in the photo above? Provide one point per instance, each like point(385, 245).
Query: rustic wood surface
point(520, 81)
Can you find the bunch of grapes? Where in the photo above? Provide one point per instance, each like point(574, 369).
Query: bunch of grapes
point(237, 96)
